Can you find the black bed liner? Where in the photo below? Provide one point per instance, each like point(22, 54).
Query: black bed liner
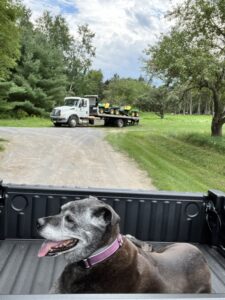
point(22, 272)
point(151, 216)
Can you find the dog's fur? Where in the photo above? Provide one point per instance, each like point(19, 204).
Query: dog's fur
point(134, 268)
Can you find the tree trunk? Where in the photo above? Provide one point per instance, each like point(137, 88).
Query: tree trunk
point(199, 106)
point(206, 110)
point(216, 127)
point(191, 105)
point(218, 117)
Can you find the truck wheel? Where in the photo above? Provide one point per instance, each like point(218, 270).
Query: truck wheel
point(106, 122)
point(120, 123)
point(72, 122)
point(92, 122)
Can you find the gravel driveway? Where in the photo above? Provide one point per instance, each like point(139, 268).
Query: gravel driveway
point(67, 157)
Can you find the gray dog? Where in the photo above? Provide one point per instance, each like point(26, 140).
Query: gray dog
point(100, 260)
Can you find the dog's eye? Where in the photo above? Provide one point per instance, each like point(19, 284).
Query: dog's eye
point(69, 219)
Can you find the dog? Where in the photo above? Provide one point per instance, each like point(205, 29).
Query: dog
point(100, 260)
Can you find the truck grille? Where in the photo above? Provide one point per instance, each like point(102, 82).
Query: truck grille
point(56, 112)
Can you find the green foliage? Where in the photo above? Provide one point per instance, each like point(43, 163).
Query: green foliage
point(9, 36)
point(40, 74)
point(51, 63)
point(125, 91)
point(55, 30)
point(192, 54)
point(17, 93)
point(22, 110)
point(78, 60)
point(158, 100)
point(94, 83)
point(4, 90)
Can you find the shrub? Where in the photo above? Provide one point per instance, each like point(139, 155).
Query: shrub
point(25, 109)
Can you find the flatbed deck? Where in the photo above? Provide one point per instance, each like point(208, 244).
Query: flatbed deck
point(116, 117)
point(22, 272)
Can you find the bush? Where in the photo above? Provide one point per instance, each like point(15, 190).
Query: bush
point(20, 114)
point(28, 109)
point(20, 110)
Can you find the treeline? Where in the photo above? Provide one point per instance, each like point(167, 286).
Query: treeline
point(41, 63)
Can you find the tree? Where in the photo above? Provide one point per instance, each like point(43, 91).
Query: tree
point(192, 54)
point(51, 62)
point(125, 91)
point(157, 99)
point(56, 30)
point(77, 52)
point(39, 76)
point(94, 83)
point(9, 36)
point(79, 59)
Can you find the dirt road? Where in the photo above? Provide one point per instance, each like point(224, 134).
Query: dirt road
point(63, 156)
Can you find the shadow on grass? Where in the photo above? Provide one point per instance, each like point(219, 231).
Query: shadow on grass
point(204, 141)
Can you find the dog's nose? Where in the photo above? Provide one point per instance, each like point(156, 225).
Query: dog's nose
point(39, 223)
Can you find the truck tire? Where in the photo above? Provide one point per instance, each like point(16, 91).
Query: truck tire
point(73, 122)
point(120, 123)
point(106, 122)
point(92, 122)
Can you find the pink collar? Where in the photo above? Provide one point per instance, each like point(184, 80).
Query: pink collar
point(104, 253)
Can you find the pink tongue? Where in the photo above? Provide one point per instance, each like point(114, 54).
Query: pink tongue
point(46, 246)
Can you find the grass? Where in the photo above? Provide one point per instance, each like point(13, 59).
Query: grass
point(177, 152)
point(26, 122)
point(1, 144)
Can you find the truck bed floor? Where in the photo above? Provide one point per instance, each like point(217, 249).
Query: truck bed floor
point(22, 272)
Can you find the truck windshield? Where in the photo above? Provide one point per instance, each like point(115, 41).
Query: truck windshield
point(71, 102)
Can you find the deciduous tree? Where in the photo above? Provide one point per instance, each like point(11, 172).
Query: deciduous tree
point(9, 36)
point(193, 53)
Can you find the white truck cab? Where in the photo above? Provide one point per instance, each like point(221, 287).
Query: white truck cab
point(74, 111)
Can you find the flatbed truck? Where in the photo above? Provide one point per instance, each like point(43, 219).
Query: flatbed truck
point(84, 110)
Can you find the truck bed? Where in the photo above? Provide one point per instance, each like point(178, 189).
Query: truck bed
point(22, 272)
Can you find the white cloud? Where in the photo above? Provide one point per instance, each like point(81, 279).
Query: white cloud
point(123, 28)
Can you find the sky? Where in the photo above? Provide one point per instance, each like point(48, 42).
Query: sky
point(123, 28)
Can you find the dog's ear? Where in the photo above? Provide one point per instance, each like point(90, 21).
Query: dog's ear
point(108, 214)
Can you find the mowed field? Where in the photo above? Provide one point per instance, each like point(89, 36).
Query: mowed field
point(177, 152)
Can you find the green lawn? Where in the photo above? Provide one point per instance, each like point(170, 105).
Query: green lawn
point(177, 152)
point(26, 122)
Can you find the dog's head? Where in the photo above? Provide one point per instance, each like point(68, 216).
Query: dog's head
point(79, 229)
